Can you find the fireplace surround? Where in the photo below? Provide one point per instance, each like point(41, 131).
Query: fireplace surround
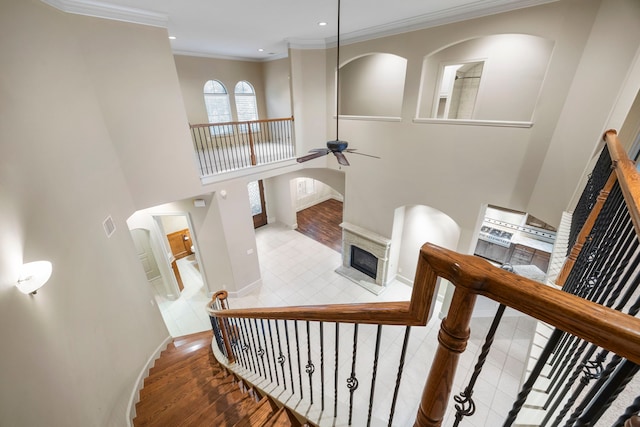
point(373, 247)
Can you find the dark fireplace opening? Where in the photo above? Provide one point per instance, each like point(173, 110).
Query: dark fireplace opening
point(364, 261)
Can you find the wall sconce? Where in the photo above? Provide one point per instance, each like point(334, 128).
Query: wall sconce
point(33, 276)
point(223, 194)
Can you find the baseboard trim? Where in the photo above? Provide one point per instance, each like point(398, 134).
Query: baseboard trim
point(135, 393)
point(400, 278)
point(246, 290)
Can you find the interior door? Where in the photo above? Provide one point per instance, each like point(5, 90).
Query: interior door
point(256, 198)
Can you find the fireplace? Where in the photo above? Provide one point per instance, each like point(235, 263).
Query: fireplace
point(364, 261)
point(365, 257)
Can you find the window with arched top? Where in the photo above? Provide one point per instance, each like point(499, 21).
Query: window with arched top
point(246, 104)
point(216, 100)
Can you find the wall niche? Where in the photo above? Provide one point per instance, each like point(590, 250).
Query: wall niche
point(372, 85)
point(490, 78)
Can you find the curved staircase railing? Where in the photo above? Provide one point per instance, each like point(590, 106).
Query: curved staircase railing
point(593, 314)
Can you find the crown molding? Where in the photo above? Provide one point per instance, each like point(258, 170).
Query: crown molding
point(228, 57)
point(434, 19)
point(109, 11)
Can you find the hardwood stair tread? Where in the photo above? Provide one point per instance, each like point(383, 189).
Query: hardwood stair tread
point(283, 418)
point(205, 335)
point(235, 412)
point(192, 367)
point(170, 384)
point(172, 409)
point(169, 357)
point(188, 387)
point(207, 414)
point(266, 409)
point(195, 388)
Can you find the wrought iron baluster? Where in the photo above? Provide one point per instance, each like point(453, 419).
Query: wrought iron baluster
point(273, 352)
point(588, 367)
point(281, 358)
point(577, 349)
point(295, 325)
point(197, 138)
point(309, 368)
point(374, 373)
point(617, 250)
point(607, 394)
point(335, 377)
point(591, 370)
point(613, 363)
point(246, 345)
point(257, 348)
point(352, 381)
point(589, 261)
point(465, 406)
point(555, 337)
point(631, 411)
point(588, 268)
point(266, 349)
point(286, 334)
point(595, 183)
point(236, 344)
point(403, 355)
point(321, 366)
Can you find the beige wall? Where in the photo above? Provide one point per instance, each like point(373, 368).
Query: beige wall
point(277, 85)
point(589, 105)
point(71, 353)
point(194, 72)
point(457, 169)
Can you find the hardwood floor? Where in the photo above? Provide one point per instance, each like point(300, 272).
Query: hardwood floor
point(321, 222)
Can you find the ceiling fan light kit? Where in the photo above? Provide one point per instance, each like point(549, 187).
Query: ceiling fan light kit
point(337, 147)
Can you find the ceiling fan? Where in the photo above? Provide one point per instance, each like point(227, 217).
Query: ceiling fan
point(337, 147)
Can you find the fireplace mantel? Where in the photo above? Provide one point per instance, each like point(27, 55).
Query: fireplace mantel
point(353, 235)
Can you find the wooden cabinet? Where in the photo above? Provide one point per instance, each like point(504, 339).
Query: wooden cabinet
point(180, 243)
point(521, 255)
point(492, 251)
point(516, 254)
point(176, 272)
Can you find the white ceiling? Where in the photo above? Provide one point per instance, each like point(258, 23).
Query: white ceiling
point(238, 28)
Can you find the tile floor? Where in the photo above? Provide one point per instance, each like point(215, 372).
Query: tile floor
point(297, 270)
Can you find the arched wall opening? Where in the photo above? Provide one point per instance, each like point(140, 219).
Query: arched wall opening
point(281, 192)
point(414, 226)
point(372, 85)
point(509, 70)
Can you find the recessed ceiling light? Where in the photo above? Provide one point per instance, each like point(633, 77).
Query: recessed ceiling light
point(172, 37)
point(322, 24)
point(261, 50)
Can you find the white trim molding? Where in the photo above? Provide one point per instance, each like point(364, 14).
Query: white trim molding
point(144, 373)
point(111, 11)
point(494, 123)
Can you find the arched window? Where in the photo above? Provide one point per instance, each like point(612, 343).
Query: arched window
point(216, 99)
point(246, 103)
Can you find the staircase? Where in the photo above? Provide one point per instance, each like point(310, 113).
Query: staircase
point(188, 387)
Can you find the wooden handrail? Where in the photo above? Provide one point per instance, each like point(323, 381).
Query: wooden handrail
point(204, 125)
point(627, 177)
point(603, 326)
point(415, 312)
point(627, 174)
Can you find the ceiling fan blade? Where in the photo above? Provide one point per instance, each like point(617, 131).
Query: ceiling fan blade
point(353, 151)
point(315, 154)
point(341, 158)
